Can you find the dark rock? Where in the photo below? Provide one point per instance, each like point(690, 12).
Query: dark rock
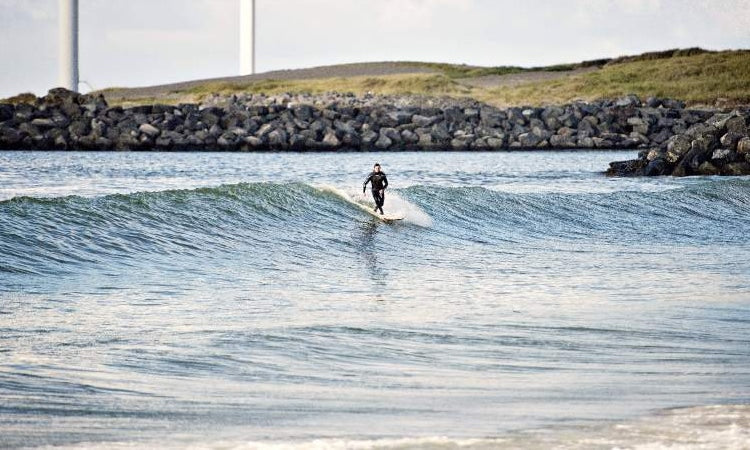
point(737, 125)
point(656, 167)
point(719, 121)
point(472, 115)
point(677, 146)
point(723, 155)
point(297, 142)
point(43, 123)
point(351, 140)
point(302, 112)
point(409, 137)
point(736, 169)
point(383, 142)
point(330, 114)
point(653, 102)
point(425, 138)
point(633, 167)
point(7, 111)
point(330, 140)
point(277, 139)
point(453, 114)
point(253, 142)
point(400, 117)
point(460, 143)
point(530, 113)
point(489, 117)
point(563, 141)
point(424, 121)
point(215, 131)
point(672, 104)
point(701, 129)
point(496, 143)
point(628, 100)
point(602, 142)
point(439, 133)
point(730, 140)
point(743, 145)
point(585, 142)
point(392, 134)
point(707, 168)
point(368, 138)
point(529, 140)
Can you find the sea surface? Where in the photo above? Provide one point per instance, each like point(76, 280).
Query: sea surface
point(242, 301)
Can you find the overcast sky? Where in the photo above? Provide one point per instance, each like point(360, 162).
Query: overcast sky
point(145, 42)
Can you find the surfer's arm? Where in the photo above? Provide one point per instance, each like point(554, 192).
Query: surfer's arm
point(367, 180)
point(385, 181)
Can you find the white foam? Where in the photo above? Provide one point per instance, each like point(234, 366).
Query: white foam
point(725, 427)
point(395, 205)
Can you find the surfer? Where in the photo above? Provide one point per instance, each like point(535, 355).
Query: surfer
point(378, 182)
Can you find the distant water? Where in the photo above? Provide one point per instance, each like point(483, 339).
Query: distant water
point(211, 300)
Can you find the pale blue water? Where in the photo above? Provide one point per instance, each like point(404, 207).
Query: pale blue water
point(219, 299)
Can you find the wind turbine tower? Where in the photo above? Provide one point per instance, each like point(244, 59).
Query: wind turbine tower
point(247, 37)
point(69, 44)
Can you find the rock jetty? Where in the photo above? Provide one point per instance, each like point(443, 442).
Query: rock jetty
point(63, 120)
point(719, 145)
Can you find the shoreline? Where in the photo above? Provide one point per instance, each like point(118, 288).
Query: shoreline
point(715, 142)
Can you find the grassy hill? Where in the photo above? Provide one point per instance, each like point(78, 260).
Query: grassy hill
point(694, 75)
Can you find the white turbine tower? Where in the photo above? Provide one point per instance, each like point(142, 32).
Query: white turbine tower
point(247, 37)
point(69, 44)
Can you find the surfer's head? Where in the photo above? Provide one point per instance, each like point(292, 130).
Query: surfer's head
point(376, 167)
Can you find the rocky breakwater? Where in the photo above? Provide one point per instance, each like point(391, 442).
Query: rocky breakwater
point(63, 120)
point(719, 145)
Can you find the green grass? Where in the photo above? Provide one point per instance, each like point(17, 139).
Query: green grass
point(701, 78)
point(694, 75)
point(26, 97)
point(416, 84)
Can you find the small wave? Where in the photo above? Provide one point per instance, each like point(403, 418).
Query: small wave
point(52, 235)
point(396, 205)
point(719, 427)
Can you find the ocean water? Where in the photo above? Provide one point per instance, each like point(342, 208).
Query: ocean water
point(208, 300)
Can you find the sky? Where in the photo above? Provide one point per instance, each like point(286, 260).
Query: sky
point(147, 42)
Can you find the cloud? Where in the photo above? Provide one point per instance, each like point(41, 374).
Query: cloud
point(141, 42)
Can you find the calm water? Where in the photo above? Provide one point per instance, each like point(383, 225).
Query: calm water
point(245, 301)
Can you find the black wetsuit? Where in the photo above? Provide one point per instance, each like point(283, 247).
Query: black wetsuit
point(378, 182)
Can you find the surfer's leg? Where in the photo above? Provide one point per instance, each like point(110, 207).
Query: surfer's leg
point(375, 197)
point(382, 201)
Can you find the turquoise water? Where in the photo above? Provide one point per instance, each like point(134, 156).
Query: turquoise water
point(245, 300)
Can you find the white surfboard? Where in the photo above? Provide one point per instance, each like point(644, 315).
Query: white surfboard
point(384, 217)
point(367, 206)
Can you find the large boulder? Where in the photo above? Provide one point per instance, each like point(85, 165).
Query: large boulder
point(677, 146)
point(628, 100)
point(562, 141)
point(400, 117)
point(730, 140)
point(656, 167)
point(633, 167)
point(719, 121)
point(277, 138)
point(302, 112)
point(369, 137)
point(737, 125)
point(424, 121)
point(743, 145)
point(149, 130)
point(491, 117)
point(383, 142)
point(529, 140)
point(330, 140)
point(736, 169)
